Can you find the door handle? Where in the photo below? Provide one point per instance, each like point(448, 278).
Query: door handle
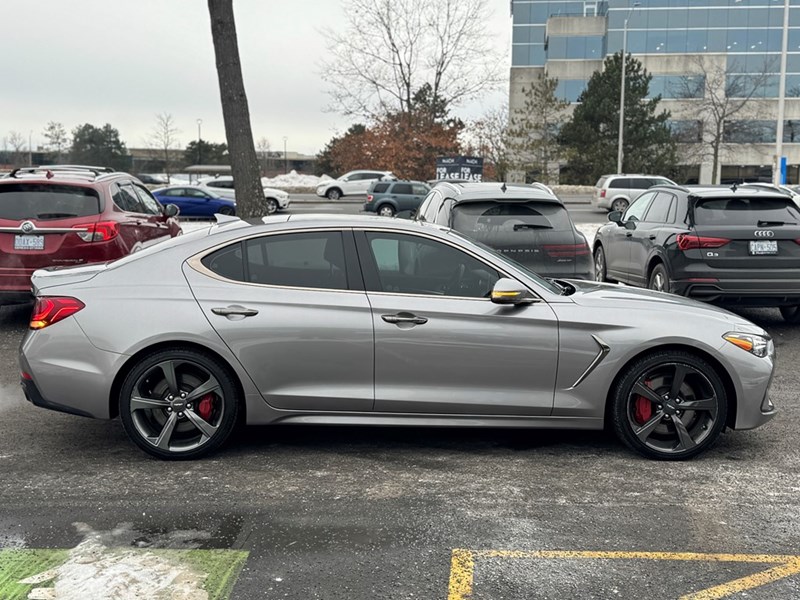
point(234, 310)
point(404, 317)
point(629, 234)
point(652, 237)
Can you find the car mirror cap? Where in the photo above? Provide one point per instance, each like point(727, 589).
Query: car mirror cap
point(509, 291)
point(615, 216)
point(171, 210)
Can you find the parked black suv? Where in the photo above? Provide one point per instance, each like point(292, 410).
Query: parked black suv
point(731, 246)
point(525, 223)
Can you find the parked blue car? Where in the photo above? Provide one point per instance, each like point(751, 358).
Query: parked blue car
point(195, 201)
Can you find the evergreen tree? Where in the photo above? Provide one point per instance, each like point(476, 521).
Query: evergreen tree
point(590, 137)
point(99, 146)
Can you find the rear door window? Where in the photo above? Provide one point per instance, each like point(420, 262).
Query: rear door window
point(620, 183)
point(402, 188)
point(22, 201)
point(659, 208)
point(380, 188)
point(746, 211)
point(640, 183)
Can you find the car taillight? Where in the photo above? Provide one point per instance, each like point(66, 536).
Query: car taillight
point(565, 250)
point(369, 198)
point(102, 231)
point(689, 241)
point(603, 193)
point(52, 309)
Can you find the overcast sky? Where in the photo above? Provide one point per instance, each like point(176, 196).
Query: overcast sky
point(124, 61)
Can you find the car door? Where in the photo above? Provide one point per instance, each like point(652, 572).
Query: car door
point(618, 257)
point(441, 345)
point(418, 192)
point(178, 197)
point(401, 193)
point(353, 184)
point(645, 236)
point(292, 308)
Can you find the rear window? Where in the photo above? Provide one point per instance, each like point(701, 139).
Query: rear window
point(600, 182)
point(380, 188)
point(746, 211)
point(493, 221)
point(42, 202)
point(402, 188)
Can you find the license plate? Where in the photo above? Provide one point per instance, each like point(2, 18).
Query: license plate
point(28, 242)
point(763, 247)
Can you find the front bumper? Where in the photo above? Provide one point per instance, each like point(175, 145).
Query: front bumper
point(284, 203)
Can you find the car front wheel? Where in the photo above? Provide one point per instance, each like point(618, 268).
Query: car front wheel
point(791, 314)
point(178, 404)
point(333, 194)
point(669, 405)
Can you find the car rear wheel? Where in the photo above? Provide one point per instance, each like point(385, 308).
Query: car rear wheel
point(619, 204)
point(791, 314)
point(272, 205)
point(659, 280)
point(669, 405)
point(333, 194)
point(386, 210)
point(600, 272)
point(178, 404)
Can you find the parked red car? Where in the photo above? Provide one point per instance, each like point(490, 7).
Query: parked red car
point(73, 215)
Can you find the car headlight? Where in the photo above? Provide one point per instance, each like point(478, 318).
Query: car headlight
point(758, 345)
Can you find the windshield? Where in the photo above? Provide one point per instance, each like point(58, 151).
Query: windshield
point(548, 285)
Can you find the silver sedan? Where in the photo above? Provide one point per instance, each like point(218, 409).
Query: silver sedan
point(370, 321)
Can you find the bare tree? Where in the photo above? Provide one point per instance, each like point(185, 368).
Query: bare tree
point(263, 147)
point(163, 138)
point(235, 111)
point(721, 104)
point(489, 135)
point(390, 49)
point(57, 140)
point(16, 141)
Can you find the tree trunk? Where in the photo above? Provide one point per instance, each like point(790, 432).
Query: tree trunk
point(244, 162)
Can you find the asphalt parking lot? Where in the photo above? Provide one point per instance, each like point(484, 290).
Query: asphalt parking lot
point(316, 512)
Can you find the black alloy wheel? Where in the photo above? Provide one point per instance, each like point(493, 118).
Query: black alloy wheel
point(669, 405)
point(179, 404)
point(659, 280)
point(791, 314)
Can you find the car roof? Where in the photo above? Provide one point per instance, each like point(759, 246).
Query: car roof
point(724, 191)
point(74, 174)
point(499, 192)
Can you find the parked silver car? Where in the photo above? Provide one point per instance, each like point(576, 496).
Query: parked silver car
point(616, 192)
point(366, 320)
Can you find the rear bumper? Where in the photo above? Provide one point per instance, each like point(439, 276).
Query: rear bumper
point(744, 292)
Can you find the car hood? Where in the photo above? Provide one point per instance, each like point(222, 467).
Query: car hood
point(276, 191)
point(592, 294)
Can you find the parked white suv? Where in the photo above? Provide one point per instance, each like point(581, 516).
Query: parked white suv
point(616, 192)
point(223, 186)
point(354, 183)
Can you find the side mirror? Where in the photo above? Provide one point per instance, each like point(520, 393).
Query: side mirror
point(170, 210)
point(509, 291)
point(615, 216)
point(344, 179)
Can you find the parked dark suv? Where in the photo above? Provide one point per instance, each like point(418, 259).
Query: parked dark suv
point(724, 245)
point(387, 198)
point(73, 215)
point(525, 223)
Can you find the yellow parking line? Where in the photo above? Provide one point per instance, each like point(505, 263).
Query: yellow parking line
point(462, 567)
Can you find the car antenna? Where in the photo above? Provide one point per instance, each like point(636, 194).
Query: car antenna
point(734, 186)
point(503, 187)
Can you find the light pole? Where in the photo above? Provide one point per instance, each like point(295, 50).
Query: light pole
point(624, 67)
point(199, 143)
point(779, 170)
point(285, 158)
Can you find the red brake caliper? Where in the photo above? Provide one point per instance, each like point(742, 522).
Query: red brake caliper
point(642, 408)
point(206, 406)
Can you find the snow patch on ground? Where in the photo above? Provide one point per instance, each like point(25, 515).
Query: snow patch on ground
point(293, 179)
point(589, 230)
point(96, 571)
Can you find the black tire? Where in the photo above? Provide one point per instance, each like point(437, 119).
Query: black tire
point(271, 205)
point(333, 194)
point(385, 210)
point(647, 422)
point(791, 314)
point(226, 210)
point(659, 279)
point(159, 410)
point(619, 204)
point(600, 266)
